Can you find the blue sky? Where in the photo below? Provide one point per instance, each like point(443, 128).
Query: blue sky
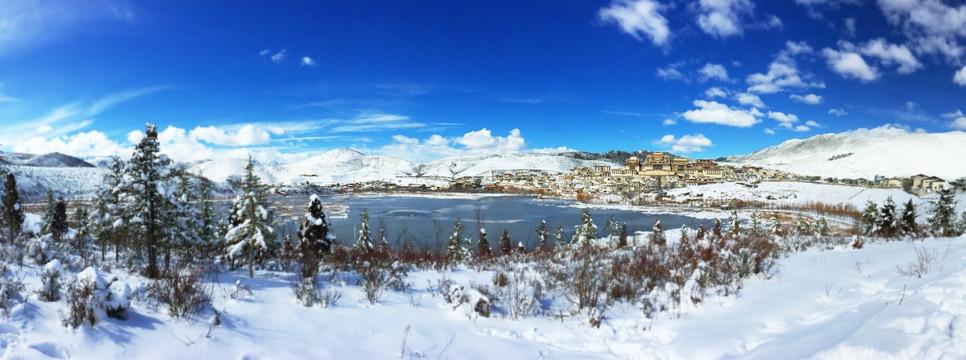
point(426, 79)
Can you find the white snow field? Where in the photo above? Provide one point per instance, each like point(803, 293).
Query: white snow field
point(839, 303)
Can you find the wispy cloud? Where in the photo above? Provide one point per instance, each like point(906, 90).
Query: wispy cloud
point(308, 61)
point(374, 122)
point(27, 23)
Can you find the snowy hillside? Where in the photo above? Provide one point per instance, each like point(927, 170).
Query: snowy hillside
point(866, 153)
point(483, 164)
point(349, 165)
point(45, 160)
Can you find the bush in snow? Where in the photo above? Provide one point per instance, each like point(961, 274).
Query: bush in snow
point(516, 292)
point(90, 299)
point(10, 289)
point(50, 281)
point(309, 292)
point(586, 231)
point(182, 293)
point(376, 276)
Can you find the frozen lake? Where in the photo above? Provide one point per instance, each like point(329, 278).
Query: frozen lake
point(414, 217)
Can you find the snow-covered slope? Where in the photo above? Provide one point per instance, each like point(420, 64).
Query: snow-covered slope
point(46, 160)
point(866, 153)
point(349, 165)
point(483, 164)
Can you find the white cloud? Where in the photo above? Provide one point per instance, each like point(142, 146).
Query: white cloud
point(43, 129)
point(27, 23)
point(785, 120)
point(713, 71)
point(92, 143)
point(958, 124)
point(375, 122)
point(307, 61)
point(472, 143)
point(769, 131)
point(837, 112)
point(247, 135)
point(711, 112)
point(929, 19)
point(685, 144)
point(954, 115)
point(773, 22)
point(638, 18)
point(911, 106)
point(812, 124)
point(810, 99)
point(749, 100)
point(723, 18)
point(279, 57)
point(783, 72)
point(849, 26)
point(669, 122)
point(892, 54)
point(960, 77)
point(801, 128)
point(265, 52)
point(850, 65)
point(715, 92)
point(670, 73)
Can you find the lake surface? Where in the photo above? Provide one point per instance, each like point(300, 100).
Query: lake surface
point(413, 217)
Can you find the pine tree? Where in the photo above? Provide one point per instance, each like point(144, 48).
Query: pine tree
point(144, 199)
point(101, 222)
point(612, 227)
point(253, 231)
point(12, 215)
point(82, 233)
point(885, 225)
point(111, 194)
point(756, 226)
point(483, 246)
point(716, 230)
point(48, 217)
point(622, 238)
point(206, 224)
point(58, 224)
point(907, 222)
point(364, 242)
point(505, 247)
point(558, 235)
point(586, 231)
point(775, 227)
point(543, 234)
point(315, 237)
point(657, 234)
point(182, 216)
point(701, 233)
point(804, 226)
point(943, 218)
point(822, 227)
point(734, 226)
point(454, 251)
point(870, 215)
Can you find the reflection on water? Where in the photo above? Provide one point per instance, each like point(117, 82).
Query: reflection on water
point(428, 221)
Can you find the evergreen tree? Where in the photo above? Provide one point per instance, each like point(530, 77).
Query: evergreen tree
point(870, 215)
point(558, 235)
point(455, 249)
point(505, 247)
point(253, 221)
point(58, 224)
point(885, 225)
point(206, 224)
point(716, 230)
point(822, 227)
point(315, 237)
point(907, 222)
point(48, 217)
point(12, 215)
point(734, 226)
point(145, 200)
point(657, 234)
point(364, 242)
point(182, 216)
point(804, 227)
point(543, 234)
point(101, 222)
point(586, 231)
point(622, 238)
point(483, 246)
point(776, 227)
point(701, 233)
point(82, 233)
point(756, 225)
point(120, 219)
point(943, 219)
point(612, 227)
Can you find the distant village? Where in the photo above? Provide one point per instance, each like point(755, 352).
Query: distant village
point(656, 172)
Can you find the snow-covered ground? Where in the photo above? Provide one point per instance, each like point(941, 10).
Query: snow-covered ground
point(821, 303)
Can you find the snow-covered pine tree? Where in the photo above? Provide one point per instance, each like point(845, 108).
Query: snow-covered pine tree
point(315, 237)
point(558, 235)
point(364, 242)
point(206, 225)
point(716, 230)
point(58, 224)
point(734, 224)
point(613, 228)
point(114, 188)
point(622, 238)
point(822, 227)
point(756, 226)
point(253, 230)
point(455, 248)
point(483, 246)
point(12, 215)
point(942, 222)
point(775, 226)
point(657, 234)
point(48, 217)
point(143, 194)
point(101, 222)
point(505, 244)
point(183, 214)
point(804, 226)
point(82, 233)
point(586, 231)
point(701, 233)
point(542, 235)
point(907, 222)
point(885, 225)
point(870, 215)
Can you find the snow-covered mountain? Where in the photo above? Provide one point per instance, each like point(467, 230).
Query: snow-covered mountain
point(349, 165)
point(46, 160)
point(62, 174)
point(865, 153)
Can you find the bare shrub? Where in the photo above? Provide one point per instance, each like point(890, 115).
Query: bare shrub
point(10, 289)
point(921, 264)
point(183, 293)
